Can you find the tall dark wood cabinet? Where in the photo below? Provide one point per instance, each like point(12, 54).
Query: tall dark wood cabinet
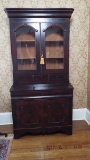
point(41, 94)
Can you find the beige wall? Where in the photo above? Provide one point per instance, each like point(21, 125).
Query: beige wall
point(78, 47)
point(89, 64)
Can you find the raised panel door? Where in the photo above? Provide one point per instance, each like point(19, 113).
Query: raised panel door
point(57, 112)
point(26, 113)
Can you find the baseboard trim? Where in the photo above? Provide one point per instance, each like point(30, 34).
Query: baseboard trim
point(78, 114)
point(6, 118)
point(87, 118)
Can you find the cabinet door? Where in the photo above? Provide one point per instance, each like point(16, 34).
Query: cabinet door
point(26, 113)
point(58, 112)
point(25, 49)
point(55, 46)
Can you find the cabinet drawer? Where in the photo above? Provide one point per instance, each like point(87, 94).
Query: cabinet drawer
point(41, 89)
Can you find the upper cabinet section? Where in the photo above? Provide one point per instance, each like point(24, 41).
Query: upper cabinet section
point(40, 44)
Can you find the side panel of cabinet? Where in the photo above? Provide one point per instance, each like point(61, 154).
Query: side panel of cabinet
point(26, 113)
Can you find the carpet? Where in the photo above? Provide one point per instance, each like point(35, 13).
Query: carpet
point(5, 147)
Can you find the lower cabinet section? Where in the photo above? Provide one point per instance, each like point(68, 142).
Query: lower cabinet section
point(42, 115)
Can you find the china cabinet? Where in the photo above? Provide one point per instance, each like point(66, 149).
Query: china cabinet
point(41, 94)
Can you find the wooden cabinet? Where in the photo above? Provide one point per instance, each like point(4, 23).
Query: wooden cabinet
point(41, 93)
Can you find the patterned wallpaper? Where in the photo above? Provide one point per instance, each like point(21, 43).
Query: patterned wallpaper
point(88, 106)
point(78, 47)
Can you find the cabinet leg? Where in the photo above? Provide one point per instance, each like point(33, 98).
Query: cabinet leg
point(66, 130)
point(17, 134)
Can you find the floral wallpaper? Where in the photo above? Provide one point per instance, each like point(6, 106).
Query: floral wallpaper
point(79, 38)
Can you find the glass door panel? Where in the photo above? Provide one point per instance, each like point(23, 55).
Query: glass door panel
point(26, 48)
point(54, 45)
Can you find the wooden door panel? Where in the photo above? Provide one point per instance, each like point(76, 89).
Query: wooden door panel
point(27, 113)
point(57, 112)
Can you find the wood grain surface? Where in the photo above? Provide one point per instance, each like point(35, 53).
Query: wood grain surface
point(54, 146)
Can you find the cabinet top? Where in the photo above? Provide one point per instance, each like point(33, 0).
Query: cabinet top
point(39, 12)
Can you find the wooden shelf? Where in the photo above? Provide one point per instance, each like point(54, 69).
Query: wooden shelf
point(25, 58)
point(54, 66)
point(27, 67)
point(26, 51)
point(55, 40)
point(26, 36)
point(54, 36)
point(26, 61)
point(54, 50)
point(22, 41)
point(24, 55)
point(53, 55)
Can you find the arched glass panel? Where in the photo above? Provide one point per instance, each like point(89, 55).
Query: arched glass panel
point(54, 43)
point(26, 48)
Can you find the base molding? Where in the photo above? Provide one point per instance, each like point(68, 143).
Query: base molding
point(6, 118)
point(88, 116)
point(78, 114)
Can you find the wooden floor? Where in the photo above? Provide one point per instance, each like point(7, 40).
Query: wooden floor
point(55, 146)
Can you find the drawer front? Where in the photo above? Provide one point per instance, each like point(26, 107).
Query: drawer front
point(26, 113)
point(40, 89)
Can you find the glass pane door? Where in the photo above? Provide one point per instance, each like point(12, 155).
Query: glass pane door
point(26, 48)
point(54, 44)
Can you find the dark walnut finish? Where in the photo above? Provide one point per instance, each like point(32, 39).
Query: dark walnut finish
point(41, 94)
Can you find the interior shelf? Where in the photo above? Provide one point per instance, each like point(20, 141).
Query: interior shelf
point(26, 61)
point(18, 41)
point(55, 40)
point(50, 35)
point(54, 55)
point(27, 67)
point(26, 50)
point(53, 65)
point(26, 58)
point(25, 35)
point(27, 64)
